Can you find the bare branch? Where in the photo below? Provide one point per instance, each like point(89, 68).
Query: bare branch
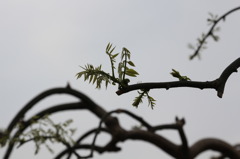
point(215, 145)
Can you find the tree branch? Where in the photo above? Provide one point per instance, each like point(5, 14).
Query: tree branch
point(215, 145)
point(119, 134)
point(217, 84)
point(210, 32)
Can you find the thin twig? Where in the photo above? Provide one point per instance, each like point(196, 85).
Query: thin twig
point(210, 32)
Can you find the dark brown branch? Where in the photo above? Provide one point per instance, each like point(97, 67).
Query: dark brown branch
point(210, 32)
point(167, 85)
point(111, 143)
point(90, 132)
point(119, 134)
point(78, 141)
point(217, 84)
point(223, 156)
point(138, 118)
point(148, 136)
point(27, 123)
point(157, 140)
point(185, 148)
point(98, 149)
point(215, 145)
point(38, 98)
point(225, 75)
point(176, 126)
point(110, 122)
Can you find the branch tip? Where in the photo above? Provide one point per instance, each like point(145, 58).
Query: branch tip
point(220, 94)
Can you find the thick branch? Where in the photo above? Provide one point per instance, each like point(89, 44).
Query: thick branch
point(51, 110)
point(87, 103)
point(217, 84)
point(215, 145)
point(157, 140)
point(120, 135)
point(38, 98)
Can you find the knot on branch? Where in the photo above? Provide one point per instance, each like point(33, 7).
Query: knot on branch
point(180, 122)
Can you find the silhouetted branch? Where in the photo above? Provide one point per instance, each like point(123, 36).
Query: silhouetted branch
point(38, 98)
point(119, 134)
point(138, 118)
point(27, 123)
point(78, 141)
point(215, 145)
point(210, 32)
point(90, 105)
point(223, 156)
point(217, 84)
point(98, 149)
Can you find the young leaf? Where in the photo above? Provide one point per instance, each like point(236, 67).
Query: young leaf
point(115, 55)
point(131, 63)
point(151, 100)
point(176, 74)
point(131, 72)
point(138, 99)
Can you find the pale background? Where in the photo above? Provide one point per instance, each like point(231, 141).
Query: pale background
point(43, 43)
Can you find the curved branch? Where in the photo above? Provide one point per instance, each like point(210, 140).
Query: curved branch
point(134, 116)
point(85, 135)
point(99, 149)
point(157, 140)
point(223, 156)
point(90, 132)
point(38, 98)
point(26, 124)
point(215, 145)
point(217, 84)
point(210, 32)
point(148, 136)
point(87, 103)
point(120, 135)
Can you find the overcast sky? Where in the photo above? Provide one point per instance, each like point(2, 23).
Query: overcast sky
point(43, 43)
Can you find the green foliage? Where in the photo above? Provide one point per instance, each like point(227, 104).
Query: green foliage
point(176, 74)
point(141, 95)
point(3, 138)
point(43, 130)
point(96, 75)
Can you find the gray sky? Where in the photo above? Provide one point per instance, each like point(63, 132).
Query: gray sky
point(43, 43)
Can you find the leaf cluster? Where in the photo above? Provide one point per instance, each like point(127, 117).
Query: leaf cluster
point(141, 95)
point(176, 74)
point(3, 138)
point(43, 130)
point(96, 75)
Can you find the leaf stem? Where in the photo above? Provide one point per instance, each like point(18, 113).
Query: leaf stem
point(125, 64)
